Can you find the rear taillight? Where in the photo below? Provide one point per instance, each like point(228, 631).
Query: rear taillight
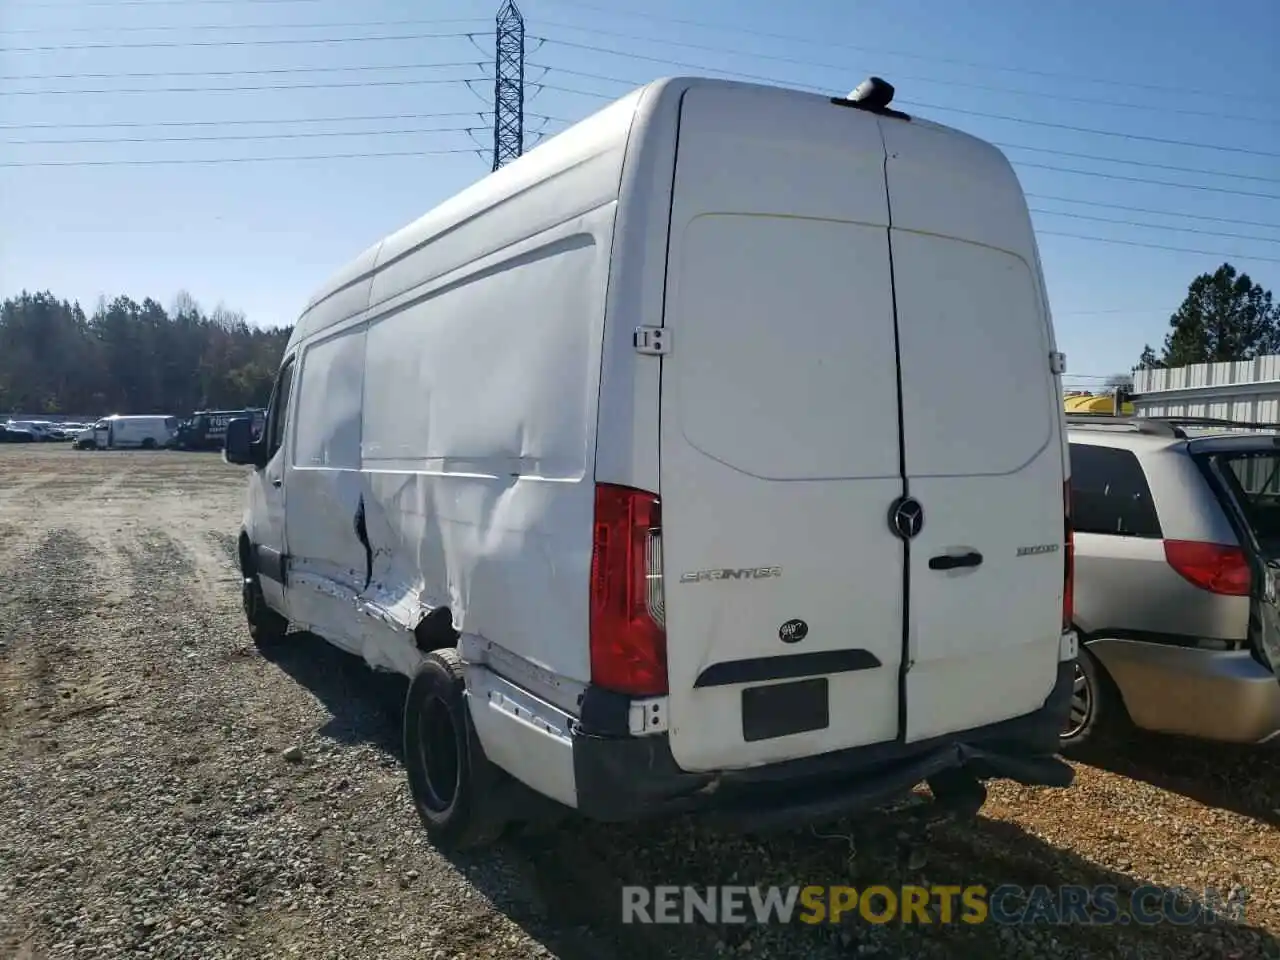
point(1216, 567)
point(1069, 574)
point(628, 632)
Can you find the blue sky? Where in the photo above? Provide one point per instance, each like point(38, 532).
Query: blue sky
point(1130, 93)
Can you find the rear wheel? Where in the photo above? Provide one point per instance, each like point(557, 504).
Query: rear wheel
point(1095, 704)
point(459, 794)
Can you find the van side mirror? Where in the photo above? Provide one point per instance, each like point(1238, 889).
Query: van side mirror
point(239, 448)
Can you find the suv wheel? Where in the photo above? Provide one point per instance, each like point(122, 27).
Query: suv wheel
point(1091, 703)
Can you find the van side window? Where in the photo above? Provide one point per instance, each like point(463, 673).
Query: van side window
point(1109, 493)
point(278, 416)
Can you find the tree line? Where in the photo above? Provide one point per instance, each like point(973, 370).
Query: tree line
point(130, 357)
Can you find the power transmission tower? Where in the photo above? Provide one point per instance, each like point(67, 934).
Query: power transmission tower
point(508, 85)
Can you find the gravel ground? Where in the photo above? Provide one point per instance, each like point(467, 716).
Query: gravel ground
point(166, 791)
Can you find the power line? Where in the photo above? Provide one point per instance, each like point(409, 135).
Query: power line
point(843, 68)
point(280, 41)
point(1180, 91)
point(274, 121)
point(1041, 166)
point(149, 3)
point(274, 71)
point(1012, 146)
point(917, 103)
point(196, 27)
point(1059, 169)
point(1159, 213)
point(287, 71)
point(1101, 133)
point(258, 87)
point(1137, 163)
point(1157, 226)
point(217, 137)
point(1150, 182)
point(736, 52)
point(231, 73)
point(1157, 246)
point(211, 160)
point(793, 60)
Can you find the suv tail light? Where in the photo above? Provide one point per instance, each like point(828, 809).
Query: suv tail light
point(1215, 567)
point(628, 629)
point(1069, 574)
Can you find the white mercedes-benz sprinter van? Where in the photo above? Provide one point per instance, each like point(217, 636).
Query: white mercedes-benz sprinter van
point(645, 457)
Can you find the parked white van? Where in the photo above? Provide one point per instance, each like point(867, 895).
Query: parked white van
point(642, 458)
point(145, 432)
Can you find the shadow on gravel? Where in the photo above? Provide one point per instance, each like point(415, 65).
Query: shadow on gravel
point(571, 877)
point(1239, 778)
point(995, 852)
point(364, 705)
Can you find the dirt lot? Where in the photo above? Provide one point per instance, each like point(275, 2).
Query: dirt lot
point(153, 801)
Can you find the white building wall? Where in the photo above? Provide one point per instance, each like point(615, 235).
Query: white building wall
point(1243, 390)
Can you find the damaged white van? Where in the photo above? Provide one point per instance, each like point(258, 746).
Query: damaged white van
point(644, 459)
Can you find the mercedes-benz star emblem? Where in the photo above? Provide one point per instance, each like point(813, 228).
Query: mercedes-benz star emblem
point(906, 517)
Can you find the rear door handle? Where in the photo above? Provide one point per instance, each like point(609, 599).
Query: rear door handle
point(949, 561)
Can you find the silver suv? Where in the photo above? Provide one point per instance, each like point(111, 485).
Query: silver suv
point(1177, 546)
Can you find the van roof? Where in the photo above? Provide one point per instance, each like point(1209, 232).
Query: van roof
point(600, 137)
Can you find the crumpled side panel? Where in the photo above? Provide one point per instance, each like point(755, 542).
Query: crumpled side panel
point(494, 552)
point(479, 417)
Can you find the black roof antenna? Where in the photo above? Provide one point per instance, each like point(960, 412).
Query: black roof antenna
point(873, 95)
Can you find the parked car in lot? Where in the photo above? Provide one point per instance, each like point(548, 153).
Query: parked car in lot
point(41, 430)
point(68, 430)
point(646, 468)
point(11, 434)
point(1177, 541)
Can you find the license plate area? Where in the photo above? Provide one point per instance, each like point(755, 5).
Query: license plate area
point(783, 709)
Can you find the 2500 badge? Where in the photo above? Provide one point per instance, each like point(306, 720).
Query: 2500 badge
point(731, 573)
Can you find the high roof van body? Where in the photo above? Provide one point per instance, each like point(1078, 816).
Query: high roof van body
point(641, 456)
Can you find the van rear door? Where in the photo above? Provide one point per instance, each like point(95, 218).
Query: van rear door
point(987, 566)
point(779, 441)
point(831, 500)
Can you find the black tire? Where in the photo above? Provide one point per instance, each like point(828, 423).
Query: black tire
point(459, 794)
point(148, 444)
point(1096, 708)
point(266, 627)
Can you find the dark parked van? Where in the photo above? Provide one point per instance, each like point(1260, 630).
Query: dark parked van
point(206, 429)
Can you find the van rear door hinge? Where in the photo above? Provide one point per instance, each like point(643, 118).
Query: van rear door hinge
point(1058, 363)
point(652, 341)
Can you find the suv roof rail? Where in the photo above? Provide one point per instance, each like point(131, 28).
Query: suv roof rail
point(1164, 426)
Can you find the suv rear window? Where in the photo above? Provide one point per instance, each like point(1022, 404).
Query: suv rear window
point(1109, 493)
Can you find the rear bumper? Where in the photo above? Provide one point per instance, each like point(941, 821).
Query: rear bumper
point(621, 778)
point(1222, 695)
